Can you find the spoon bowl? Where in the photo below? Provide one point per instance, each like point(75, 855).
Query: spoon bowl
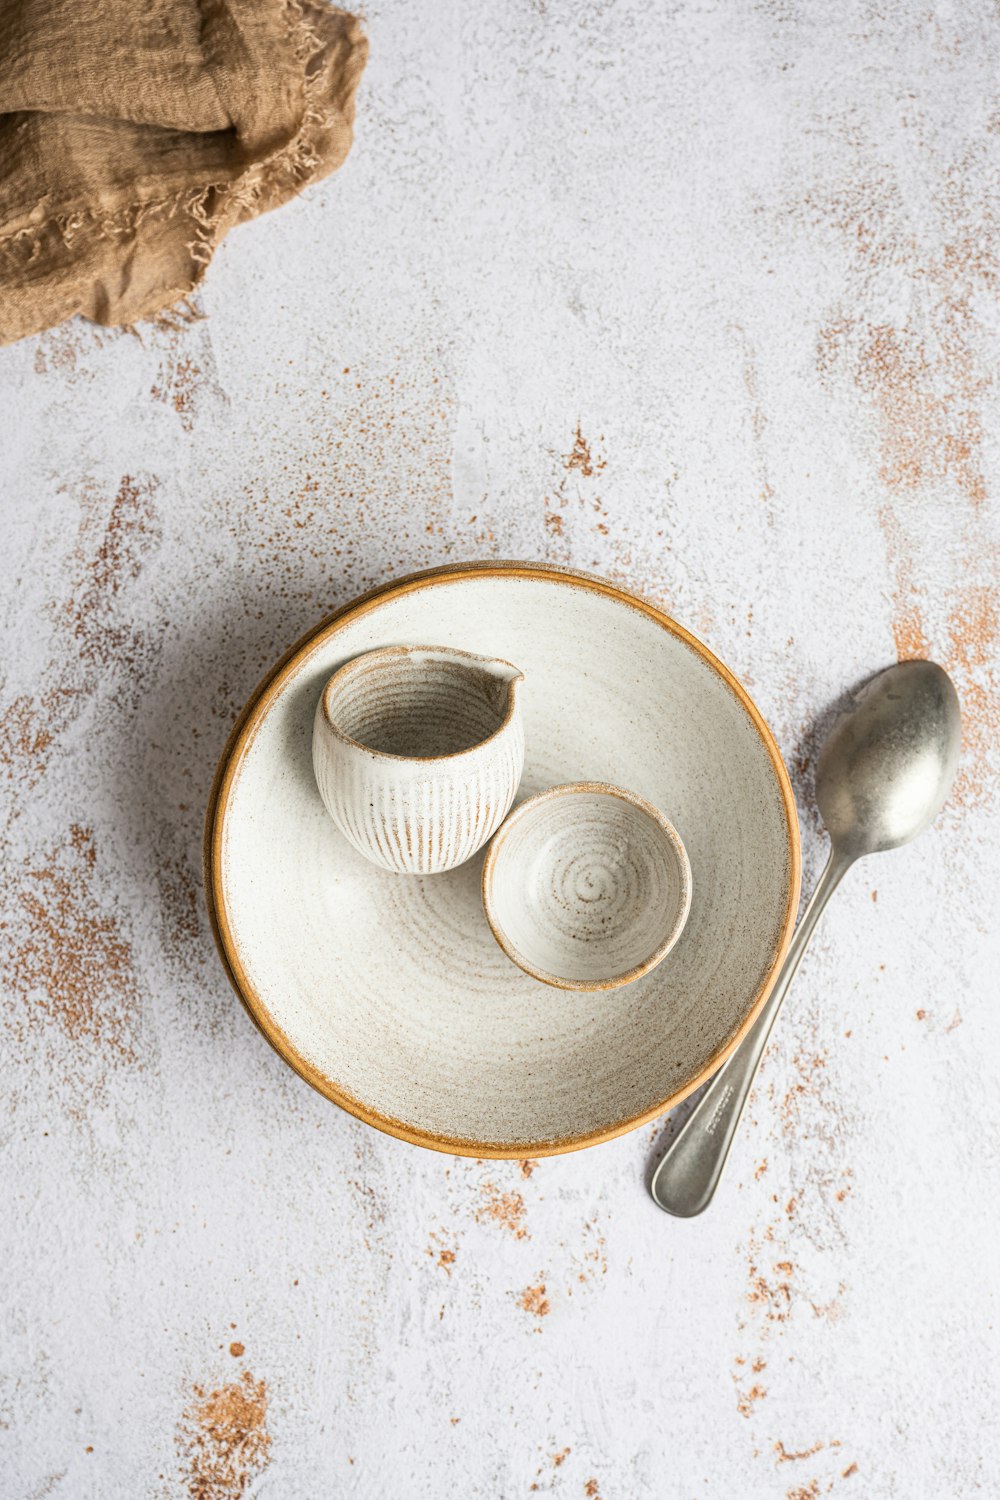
point(886, 769)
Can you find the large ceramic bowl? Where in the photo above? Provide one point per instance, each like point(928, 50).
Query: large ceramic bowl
point(388, 993)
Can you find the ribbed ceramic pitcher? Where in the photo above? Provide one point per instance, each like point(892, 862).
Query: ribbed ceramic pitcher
point(418, 751)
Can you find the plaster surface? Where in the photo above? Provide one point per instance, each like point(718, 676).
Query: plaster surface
point(702, 297)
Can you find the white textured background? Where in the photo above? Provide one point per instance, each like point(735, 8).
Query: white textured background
point(703, 296)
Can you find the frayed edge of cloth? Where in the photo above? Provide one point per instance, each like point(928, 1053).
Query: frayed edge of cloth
point(215, 207)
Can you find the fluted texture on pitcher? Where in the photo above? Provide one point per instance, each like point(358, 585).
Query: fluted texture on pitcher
point(420, 828)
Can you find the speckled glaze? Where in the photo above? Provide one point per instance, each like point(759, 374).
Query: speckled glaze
point(418, 751)
point(586, 886)
point(391, 996)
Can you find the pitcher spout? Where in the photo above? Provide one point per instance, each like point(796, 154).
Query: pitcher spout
point(504, 670)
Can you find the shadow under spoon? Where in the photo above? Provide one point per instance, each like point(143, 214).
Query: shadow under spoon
point(883, 775)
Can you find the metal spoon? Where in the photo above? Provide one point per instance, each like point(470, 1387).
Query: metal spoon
point(883, 775)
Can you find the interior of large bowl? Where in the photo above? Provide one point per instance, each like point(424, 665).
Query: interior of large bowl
point(389, 993)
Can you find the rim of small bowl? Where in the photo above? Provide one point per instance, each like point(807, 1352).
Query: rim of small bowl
point(593, 789)
point(368, 658)
point(237, 746)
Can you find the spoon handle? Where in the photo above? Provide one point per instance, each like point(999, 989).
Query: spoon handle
point(689, 1173)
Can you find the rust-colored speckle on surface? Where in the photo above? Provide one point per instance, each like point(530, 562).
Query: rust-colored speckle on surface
point(92, 639)
point(222, 1440)
point(592, 1490)
point(66, 958)
point(772, 1296)
point(846, 1473)
point(442, 1254)
point(177, 385)
point(967, 643)
point(57, 349)
point(808, 1491)
point(131, 528)
point(533, 1300)
point(833, 1309)
point(595, 1260)
point(27, 728)
point(237, 1350)
point(505, 1209)
point(973, 658)
point(809, 1067)
point(580, 529)
point(747, 1399)
point(179, 895)
point(383, 447)
point(527, 1167)
point(784, 1457)
point(558, 1459)
point(927, 431)
point(580, 458)
point(909, 634)
point(925, 378)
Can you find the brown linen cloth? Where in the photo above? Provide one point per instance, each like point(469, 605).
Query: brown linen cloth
point(135, 133)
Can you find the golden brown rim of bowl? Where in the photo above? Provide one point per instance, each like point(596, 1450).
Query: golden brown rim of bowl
point(590, 789)
point(240, 739)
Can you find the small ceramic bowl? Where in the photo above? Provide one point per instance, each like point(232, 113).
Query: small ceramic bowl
point(418, 752)
point(586, 886)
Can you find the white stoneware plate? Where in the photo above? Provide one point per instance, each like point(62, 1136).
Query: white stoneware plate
point(388, 993)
